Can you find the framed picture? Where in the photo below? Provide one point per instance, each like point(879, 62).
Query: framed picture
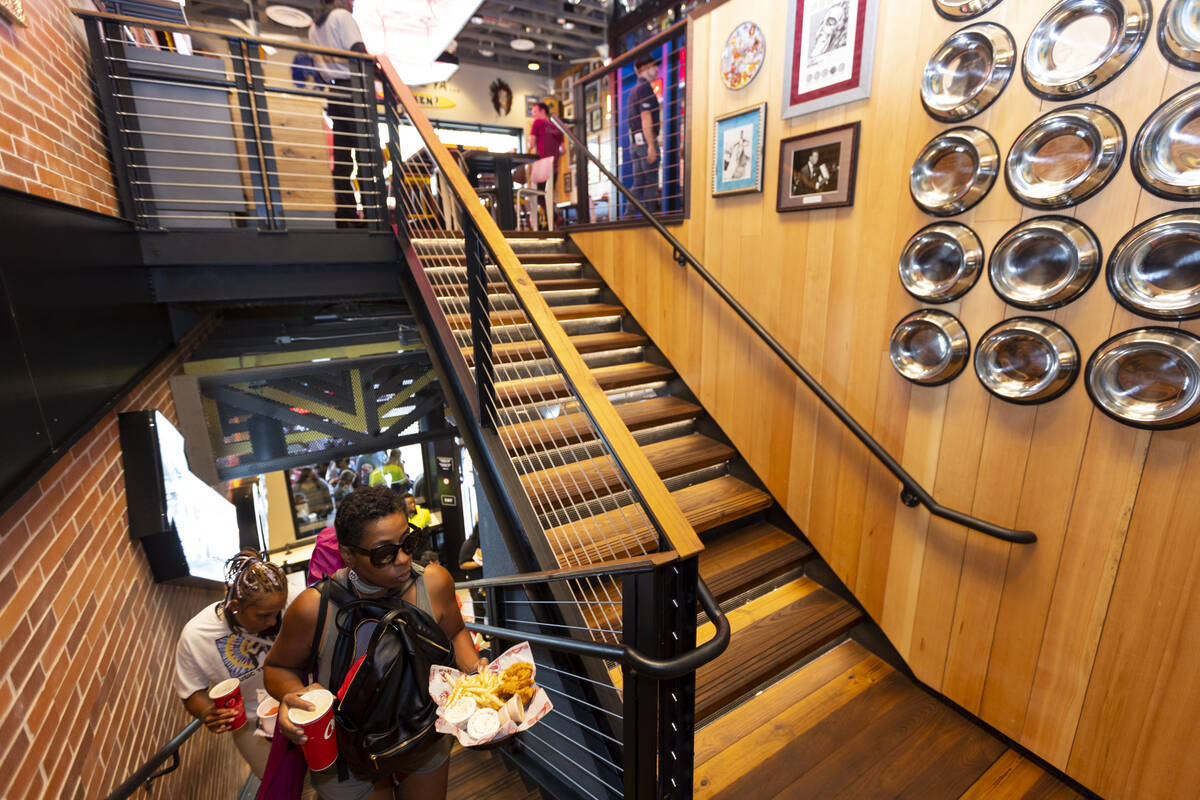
point(531, 100)
point(738, 151)
point(816, 170)
point(830, 51)
point(568, 110)
point(591, 94)
point(595, 120)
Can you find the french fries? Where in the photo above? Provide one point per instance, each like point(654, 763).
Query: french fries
point(490, 690)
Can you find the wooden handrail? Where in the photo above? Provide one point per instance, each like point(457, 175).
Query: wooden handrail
point(657, 499)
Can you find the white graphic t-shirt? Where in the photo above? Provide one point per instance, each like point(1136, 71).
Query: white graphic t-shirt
point(209, 652)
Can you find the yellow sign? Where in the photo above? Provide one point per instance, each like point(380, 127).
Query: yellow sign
point(11, 9)
point(424, 100)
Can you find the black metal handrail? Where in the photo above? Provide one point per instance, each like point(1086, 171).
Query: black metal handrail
point(147, 772)
point(912, 492)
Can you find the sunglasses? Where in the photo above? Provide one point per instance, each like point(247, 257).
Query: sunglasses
point(385, 554)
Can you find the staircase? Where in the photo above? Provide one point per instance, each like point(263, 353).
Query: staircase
point(796, 707)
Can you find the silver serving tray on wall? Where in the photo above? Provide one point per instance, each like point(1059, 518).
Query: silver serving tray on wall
point(1179, 33)
point(1147, 377)
point(1165, 155)
point(941, 262)
point(968, 72)
point(929, 347)
point(1044, 263)
point(959, 10)
point(1066, 156)
point(1080, 45)
point(1026, 360)
point(1154, 270)
point(954, 171)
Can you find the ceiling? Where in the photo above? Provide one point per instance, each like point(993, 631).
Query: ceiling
point(561, 30)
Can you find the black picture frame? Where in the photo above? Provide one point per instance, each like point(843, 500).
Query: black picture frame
point(818, 169)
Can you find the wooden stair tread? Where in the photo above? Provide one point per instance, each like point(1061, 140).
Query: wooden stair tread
point(746, 557)
point(572, 428)
point(517, 316)
point(770, 633)
point(545, 285)
point(706, 505)
point(601, 607)
point(548, 387)
point(527, 350)
point(527, 259)
point(593, 478)
point(1014, 777)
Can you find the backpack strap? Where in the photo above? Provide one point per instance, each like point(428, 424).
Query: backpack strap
point(323, 610)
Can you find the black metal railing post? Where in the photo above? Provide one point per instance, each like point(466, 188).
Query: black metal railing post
point(583, 204)
point(372, 162)
point(481, 321)
point(641, 596)
point(256, 165)
point(110, 100)
point(262, 137)
point(677, 696)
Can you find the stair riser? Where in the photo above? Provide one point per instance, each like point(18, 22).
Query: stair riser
point(564, 514)
point(524, 332)
point(563, 297)
point(444, 274)
point(528, 406)
point(542, 366)
point(520, 245)
point(543, 458)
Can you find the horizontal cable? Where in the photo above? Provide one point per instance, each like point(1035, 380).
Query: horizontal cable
point(529, 732)
point(592, 753)
point(578, 786)
point(573, 676)
point(142, 115)
point(575, 699)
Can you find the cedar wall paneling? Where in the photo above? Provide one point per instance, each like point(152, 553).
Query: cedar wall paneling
point(1079, 646)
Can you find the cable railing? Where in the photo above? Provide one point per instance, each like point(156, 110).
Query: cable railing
point(608, 124)
point(912, 492)
point(213, 130)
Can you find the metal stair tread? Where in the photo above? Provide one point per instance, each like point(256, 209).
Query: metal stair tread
point(593, 478)
point(517, 316)
point(531, 349)
point(770, 633)
point(543, 285)
point(545, 387)
point(743, 558)
point(706, 505)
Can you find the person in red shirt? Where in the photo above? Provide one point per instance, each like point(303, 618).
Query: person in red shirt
point(544, 140)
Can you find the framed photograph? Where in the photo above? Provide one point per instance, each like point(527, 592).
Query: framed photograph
point(738, 151)
point(568, 110)
point(531, 100)
point(830, 51)
point(595, 120)
point(591, 94)
point(816, 170)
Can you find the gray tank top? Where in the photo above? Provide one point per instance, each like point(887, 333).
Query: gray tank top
point(363, 636)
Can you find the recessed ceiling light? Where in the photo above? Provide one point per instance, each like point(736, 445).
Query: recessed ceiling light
point(521, 44)
point(534, 66)
point(289, 17)
point(561, 21)
point(568, 26)
point(486, 53)
point(476, 20)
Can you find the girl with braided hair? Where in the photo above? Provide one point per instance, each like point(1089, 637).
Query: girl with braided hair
point(230, 639)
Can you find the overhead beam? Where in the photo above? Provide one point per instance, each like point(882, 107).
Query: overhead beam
point(496, 7)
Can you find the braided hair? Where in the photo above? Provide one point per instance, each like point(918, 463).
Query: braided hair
point(248, 576)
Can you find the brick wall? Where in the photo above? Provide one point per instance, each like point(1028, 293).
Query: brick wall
point(87, 638)
point(50, 141)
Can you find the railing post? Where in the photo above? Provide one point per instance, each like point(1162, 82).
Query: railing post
point(110, 72)
point(255, 158)
point(584, 206)
point(481, 322)
point(677, 696)
point(641, 595)
point(262, 138)
point(364, 84)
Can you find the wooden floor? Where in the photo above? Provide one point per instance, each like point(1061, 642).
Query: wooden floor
point(478, 775)
point(847, 725)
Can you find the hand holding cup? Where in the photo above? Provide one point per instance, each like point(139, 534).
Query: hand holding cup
point(218, 719)
point(294, 700)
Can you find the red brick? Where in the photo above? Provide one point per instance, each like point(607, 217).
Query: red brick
point(8, 768)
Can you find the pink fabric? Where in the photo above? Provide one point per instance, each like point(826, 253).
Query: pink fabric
point(325, 559)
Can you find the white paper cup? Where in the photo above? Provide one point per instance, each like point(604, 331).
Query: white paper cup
point(268, 712)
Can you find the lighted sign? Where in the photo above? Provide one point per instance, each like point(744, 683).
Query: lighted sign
point(413, 35)
point(433, 100)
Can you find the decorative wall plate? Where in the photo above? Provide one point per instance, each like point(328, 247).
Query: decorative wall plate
point(1165, 156)
point(968, 71)
point(929, 347)
point(1026, 360)
point(1080, 45)
point(954, 171)
point(1179, 33)
point(1147, 377)
point(959, 10)
point(743, 55)
point(1044, 263)
point(1155, 269)
point(1065, 156)
point(941, 262)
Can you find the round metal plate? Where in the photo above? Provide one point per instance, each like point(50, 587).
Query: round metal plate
point(1044, 263)
point(1165, 156)
point(1155, 269)
point(963, 9)
point(941, 262)
point(1080, 45)
point(1179, 33)
point(968, 72)
point(929, 347)
point(1147, 378)
point(954, 171)
point(1026, 360)
point(1065, 156)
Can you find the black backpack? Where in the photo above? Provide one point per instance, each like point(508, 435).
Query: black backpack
point(386, 711)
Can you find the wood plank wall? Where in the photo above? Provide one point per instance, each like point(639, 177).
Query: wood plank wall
point(1079, 647)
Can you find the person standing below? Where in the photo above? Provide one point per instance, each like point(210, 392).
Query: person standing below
point(334, 27)
point(377, 545)
point(545, 141)
point(230, 639)
point(391, 474)
point(418, 516)
point(642, 123)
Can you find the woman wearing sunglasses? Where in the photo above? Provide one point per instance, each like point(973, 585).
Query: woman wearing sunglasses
point(377, 544)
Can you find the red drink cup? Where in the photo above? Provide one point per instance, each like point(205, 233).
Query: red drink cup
point(228, 694)
point(320, 749)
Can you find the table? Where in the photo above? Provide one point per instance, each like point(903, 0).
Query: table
point(484, 162)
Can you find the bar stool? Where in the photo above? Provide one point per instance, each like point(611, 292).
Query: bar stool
point(540, 171)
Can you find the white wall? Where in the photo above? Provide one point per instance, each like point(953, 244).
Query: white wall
point(468, 90)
